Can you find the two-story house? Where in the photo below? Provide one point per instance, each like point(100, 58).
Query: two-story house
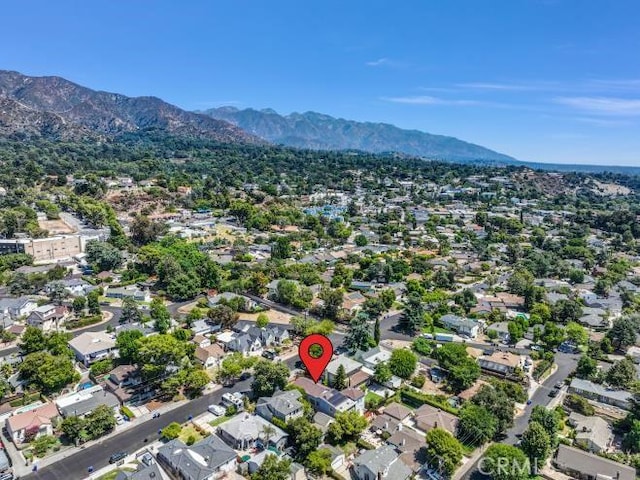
point(284, 406)
point(46, 317)
point(92, 346)
point(324, 399)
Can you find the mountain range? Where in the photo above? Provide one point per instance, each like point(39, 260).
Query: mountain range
point(56, 108)
point(322, 132)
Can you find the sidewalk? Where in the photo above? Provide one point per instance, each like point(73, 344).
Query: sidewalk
point(22, 468)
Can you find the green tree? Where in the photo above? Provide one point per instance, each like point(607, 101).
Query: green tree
point(319, 461)
point(498, 403)
point(577, 333)
point(403, 363)
point(536, 443)
point(587, 367)
point(79, 304)
point(223, 315)
point(93, 302)
point(57, 293)
point(444, 451)
point(388, 297)
point(172, 431)
point(157, 354)
point(549, 419)
point(621, 373)
point(262, 321)
point(104, 255)
point(359, 334)
point(505, 462)
point(382, 373)
point(624, 331)
point(332, 299)
point(412, 318)
point(273, 469)
point(340, 381)
point(159, 313)
point(360, 240)
point(269, 377)
point(631, 440)
point(462, 370)
point(347, 427)
point(127, 345)
point(100, 421)
point(476, 424)
point(48, 372)
point(376, 332)
point(281, 249)
point(304, 436)
point(130, 311)
point(74, 429)
point(32, 340)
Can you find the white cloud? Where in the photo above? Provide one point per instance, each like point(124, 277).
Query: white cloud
point(429, 100)
point(602, 105)
point(385, 62)
point(503, 86)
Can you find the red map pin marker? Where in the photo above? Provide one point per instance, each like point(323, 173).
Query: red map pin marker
point(315, 366)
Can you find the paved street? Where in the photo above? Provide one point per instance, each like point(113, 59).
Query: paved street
point(566, 364)
point(97, 455)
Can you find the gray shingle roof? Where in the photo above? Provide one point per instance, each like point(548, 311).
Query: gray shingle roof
point(576, 460)
point(199, 461)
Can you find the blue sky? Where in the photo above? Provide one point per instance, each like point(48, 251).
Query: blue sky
point(542, 80)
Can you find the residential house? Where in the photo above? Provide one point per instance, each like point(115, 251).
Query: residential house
point(600, 393)
point(411, 446)
point(397, 411)
point(82, 403)
point(210, 355)
point(47, 317)
point(380, 464)
point(284, 406)
point(593, 433)
point(17, 307)
point(373, 357)
point(208, 459)
point(461, 325)
point(324, 399)
point(322, 421)
point(246, 431)
point(75, 286)
point(501, 363)
point(92, 346)
point(230, 296)
point(501, 329)
point(131, 291)
point(32, 423)
point(385, 423)
point(588, 466)
point(245, 344)
point(427, 417)
point(353, 301)
point(126, 384)
point(350, 366)
point(357, 395)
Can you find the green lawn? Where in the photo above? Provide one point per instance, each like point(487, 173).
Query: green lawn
point(188, 431)
point(372, 397)
point(114, 473)
point(219, 420)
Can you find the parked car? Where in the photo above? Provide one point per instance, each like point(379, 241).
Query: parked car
point(268, 354)
point(217, 410)
point(553, 393)
point(116, 457)
point(558, 385)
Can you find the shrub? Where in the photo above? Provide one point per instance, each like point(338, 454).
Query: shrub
point(191, 440)
point(418, 381)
